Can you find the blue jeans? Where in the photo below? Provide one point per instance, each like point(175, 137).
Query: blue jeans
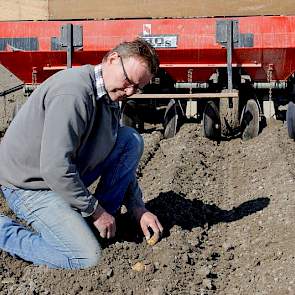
point(61, 238)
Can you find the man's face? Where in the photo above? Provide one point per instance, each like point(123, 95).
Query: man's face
point(124, 76)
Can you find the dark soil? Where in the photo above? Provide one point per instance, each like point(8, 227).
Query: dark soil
point(227, 209)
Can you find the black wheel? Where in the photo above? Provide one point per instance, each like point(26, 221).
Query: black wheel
point(211, 121)
point(250, 120)
point(130, 116)
point(291, 119)
point(170, 119)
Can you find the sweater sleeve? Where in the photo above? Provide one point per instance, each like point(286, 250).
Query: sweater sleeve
point(65, 123)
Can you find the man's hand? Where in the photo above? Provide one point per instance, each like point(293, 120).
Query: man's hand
point(148, 220)
point(104, 222)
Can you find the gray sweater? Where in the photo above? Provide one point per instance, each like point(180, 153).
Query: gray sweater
point(62, 132)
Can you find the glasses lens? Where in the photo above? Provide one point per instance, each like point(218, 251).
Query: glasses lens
point(136, 87)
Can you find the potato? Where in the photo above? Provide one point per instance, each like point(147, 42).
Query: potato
point(153, 240)
point(138, 266)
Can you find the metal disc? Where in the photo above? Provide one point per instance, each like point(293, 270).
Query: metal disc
point(170, 119)
point(211, 121)
point(130, 116)
point(250, 120)
point(291, 119)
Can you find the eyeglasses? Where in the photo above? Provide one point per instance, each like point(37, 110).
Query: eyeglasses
point(131, 84)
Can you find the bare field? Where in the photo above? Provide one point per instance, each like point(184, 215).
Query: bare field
point(228, 211)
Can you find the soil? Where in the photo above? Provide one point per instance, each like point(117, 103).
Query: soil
point(227, 209)
point(10, 102)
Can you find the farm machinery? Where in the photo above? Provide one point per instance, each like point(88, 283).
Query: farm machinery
point(231, 73)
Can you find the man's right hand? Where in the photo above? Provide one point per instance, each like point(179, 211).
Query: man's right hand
point(104, 222)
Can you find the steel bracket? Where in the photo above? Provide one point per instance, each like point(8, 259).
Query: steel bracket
point(238, 39)
point(76, 39)
point(71, 37)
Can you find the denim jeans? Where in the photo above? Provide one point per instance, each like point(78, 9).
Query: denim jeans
point(60, 237)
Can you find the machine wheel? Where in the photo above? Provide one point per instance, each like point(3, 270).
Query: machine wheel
point(291, 119)
point(170, 119)
point(130, 116)
point(211, 121)
point(250, 120)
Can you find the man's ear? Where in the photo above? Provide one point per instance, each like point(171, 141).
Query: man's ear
point(113, 57)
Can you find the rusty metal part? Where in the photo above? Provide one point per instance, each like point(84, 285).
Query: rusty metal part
point(233, 94)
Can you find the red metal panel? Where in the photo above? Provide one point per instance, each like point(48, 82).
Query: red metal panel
point(274, 43)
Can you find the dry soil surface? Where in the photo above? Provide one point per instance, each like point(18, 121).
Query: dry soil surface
point(227, 208)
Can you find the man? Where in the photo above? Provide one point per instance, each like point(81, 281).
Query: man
point(65, 137)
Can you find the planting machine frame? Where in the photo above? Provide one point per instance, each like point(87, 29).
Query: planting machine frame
point(225, 72)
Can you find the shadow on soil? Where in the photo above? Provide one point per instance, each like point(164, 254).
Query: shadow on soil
point(174, 209)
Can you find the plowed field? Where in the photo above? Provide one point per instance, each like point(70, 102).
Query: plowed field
point(228, 210)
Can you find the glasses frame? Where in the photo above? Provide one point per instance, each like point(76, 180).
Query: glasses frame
point(132, 84)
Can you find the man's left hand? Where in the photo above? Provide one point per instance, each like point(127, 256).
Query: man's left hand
point(148, 220)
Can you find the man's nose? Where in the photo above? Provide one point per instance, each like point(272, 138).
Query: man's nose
point(130, 90)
